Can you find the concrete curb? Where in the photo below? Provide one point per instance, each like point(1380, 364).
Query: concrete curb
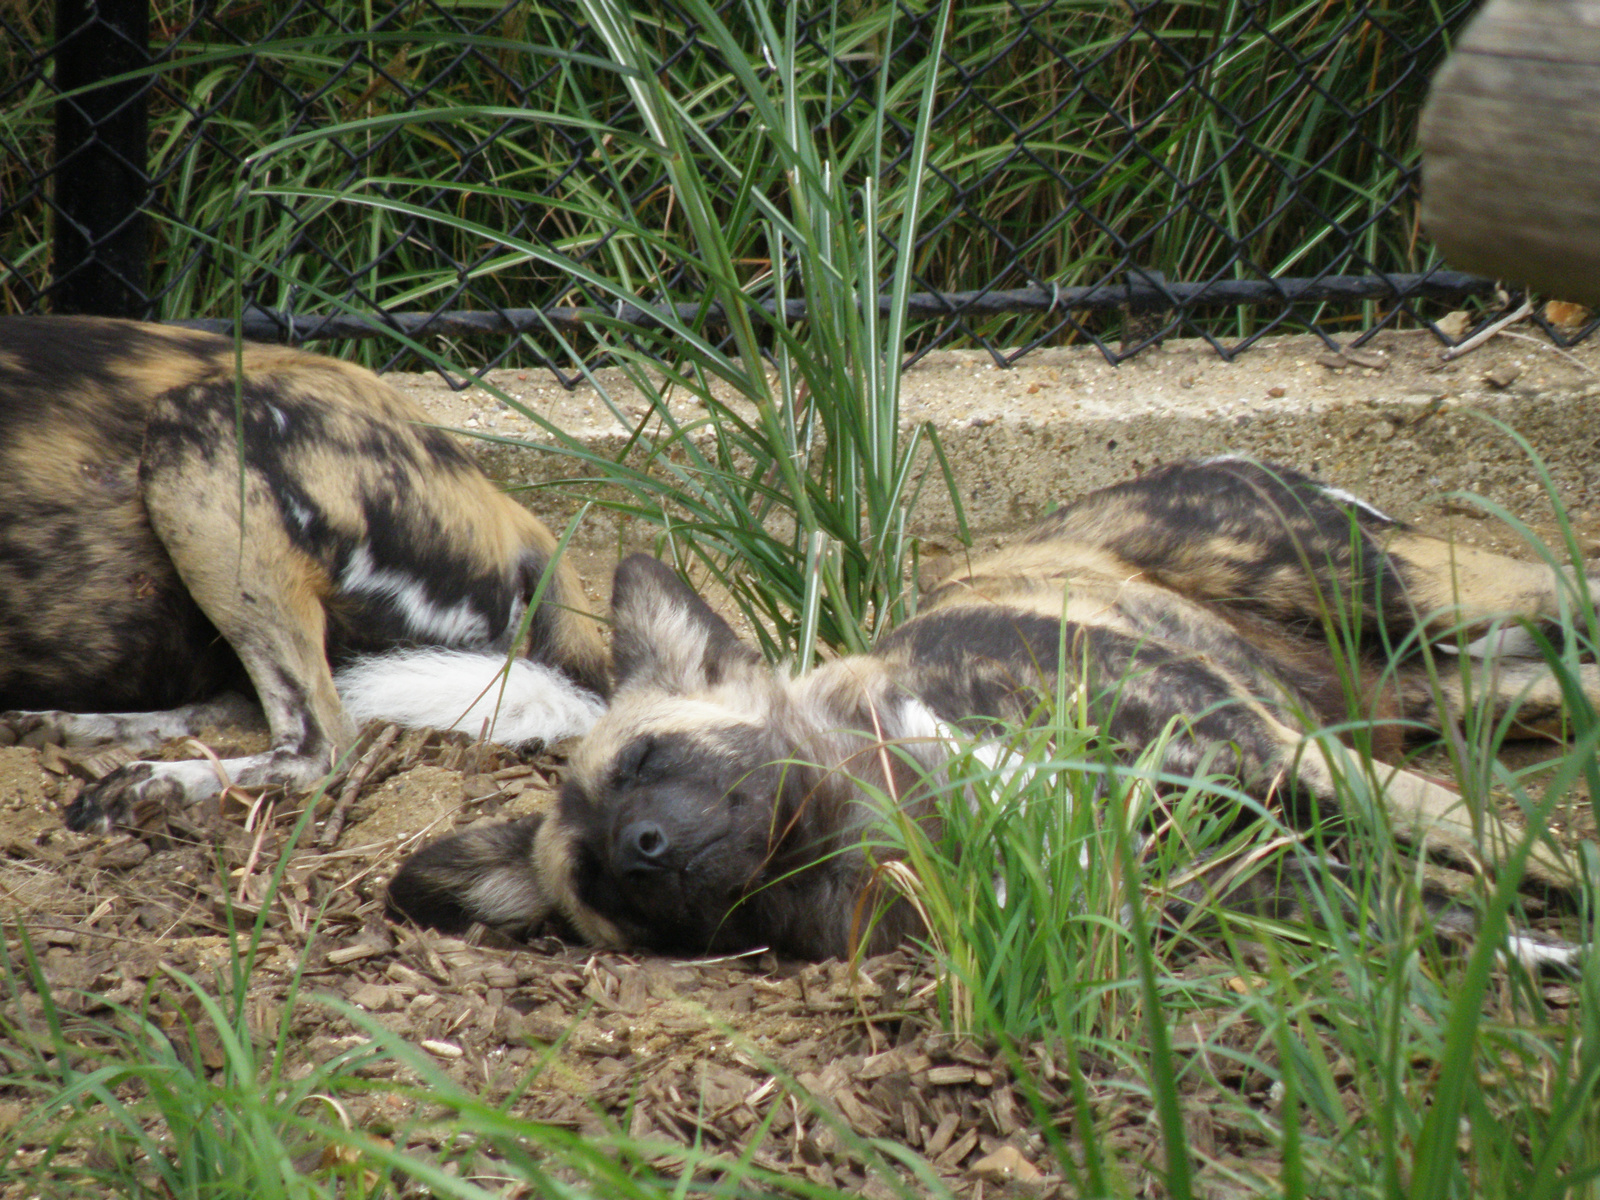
point(1391, 422)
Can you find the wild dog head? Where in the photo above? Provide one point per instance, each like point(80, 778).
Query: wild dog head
point(716, 806)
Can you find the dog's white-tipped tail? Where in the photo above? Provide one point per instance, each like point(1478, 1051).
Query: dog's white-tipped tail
point(524, 704)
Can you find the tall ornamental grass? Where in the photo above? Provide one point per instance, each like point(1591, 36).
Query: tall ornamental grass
point(1071, 139)
point(773, 455)
point(1062, 911)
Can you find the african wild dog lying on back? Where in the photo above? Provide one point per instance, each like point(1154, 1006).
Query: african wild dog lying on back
point(139, 571)
point(715, 806)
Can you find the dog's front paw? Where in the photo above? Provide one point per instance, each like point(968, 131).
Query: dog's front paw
point(140, 794)
point(130, 796)
point(32, 728)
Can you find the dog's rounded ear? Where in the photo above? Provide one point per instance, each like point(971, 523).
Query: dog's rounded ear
point(664, 635)
point(488, 874)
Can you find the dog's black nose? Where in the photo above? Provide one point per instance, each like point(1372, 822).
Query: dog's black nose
point(641, 846)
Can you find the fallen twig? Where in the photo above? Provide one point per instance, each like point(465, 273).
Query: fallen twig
point(1483, 335)
point(329, 834)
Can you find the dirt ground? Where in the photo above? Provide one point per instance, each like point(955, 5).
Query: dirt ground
point(708, 1053)
point(691, 1052)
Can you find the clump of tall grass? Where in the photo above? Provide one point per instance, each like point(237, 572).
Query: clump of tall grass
point(1365, 1057)
point(772, 454)
point(1385, 1064)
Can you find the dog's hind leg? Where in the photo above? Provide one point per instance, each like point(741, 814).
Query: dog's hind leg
point(1524, 695)
point(1465, 593)
point(1490, 620)
point(1304, 885)
point(136, 730)
point(1226, 730)
point(1422, 811)
point(266, 598)
point(1222, 729)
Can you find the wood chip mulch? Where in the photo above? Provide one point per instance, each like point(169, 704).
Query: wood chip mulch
point(799, 1066)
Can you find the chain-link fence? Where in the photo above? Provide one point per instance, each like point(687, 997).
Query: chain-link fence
point(1101, 172)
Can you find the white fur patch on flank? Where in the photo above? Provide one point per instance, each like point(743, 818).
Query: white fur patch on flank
point(996, 755)
point(1011, 768)
point(1009, 765)
point(462, 690)
point(917, 721)
point(457, 625)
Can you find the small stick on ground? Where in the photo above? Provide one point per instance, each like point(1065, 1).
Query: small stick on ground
point(329, 835)
point(1483, 335)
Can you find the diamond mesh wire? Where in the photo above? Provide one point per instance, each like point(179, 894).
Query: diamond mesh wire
point(1106, 173)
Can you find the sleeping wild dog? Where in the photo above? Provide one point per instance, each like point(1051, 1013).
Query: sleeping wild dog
point(180, 517)
point(719, 804)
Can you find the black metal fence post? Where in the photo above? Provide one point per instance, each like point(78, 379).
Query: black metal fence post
point(102, 243)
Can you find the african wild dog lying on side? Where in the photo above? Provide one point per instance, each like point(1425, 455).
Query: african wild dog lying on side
point(715, 806)
point(140, 569)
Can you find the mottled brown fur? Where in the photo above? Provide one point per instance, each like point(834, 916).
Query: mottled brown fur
point(721, 804)
point(141, 568)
